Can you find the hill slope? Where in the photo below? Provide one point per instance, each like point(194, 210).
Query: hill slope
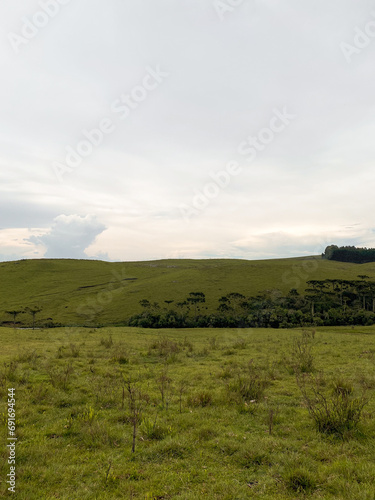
point(77, 291)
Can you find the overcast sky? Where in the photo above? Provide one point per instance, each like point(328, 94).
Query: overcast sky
point(147, 129)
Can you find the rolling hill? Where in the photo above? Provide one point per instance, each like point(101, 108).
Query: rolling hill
point(77, 292)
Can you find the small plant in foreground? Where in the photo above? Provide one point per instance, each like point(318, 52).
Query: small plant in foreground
point(203, 398)
point(300, 480)
point(182, 387)
point(120, 355)
point(302, 357)
point(164, 347)
point(153, 430)
point(164, 385)
point(272, 415)
point(334, 411)
point(249, 385)
point(137, 401)
point(87, 416)
point(60, 376)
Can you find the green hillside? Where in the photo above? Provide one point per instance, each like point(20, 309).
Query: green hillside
point(78, 291)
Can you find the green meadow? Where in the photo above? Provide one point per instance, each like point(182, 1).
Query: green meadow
point(81, 292)
point(217, 413)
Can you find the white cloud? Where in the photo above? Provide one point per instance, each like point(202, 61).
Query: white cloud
point(69, 236)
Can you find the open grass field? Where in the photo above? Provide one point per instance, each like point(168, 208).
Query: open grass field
point(76, 292)
point(218, 413)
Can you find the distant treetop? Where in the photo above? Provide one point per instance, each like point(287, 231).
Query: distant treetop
point(349, 254)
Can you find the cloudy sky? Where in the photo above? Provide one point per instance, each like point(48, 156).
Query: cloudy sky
point(136, 130)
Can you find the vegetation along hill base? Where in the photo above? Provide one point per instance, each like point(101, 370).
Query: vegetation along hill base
point(210, 292)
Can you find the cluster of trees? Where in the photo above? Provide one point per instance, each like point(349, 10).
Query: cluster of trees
point(349, 254)
point(327, 302)
point(34, 310)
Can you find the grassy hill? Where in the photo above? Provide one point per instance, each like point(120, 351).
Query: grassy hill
point(77, 291)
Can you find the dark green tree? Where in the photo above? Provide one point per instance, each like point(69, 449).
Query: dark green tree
point(33, 310)
point(14, 313)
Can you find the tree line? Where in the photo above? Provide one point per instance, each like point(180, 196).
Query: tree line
point(329, 302)
point(349, 254)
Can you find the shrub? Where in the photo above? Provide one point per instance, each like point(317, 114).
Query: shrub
point(334, 411)
point(302, 359)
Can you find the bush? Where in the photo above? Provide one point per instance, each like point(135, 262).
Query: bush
point(334, 411)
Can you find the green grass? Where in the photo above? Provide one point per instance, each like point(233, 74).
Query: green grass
point(205, 438)
point(95, 292)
